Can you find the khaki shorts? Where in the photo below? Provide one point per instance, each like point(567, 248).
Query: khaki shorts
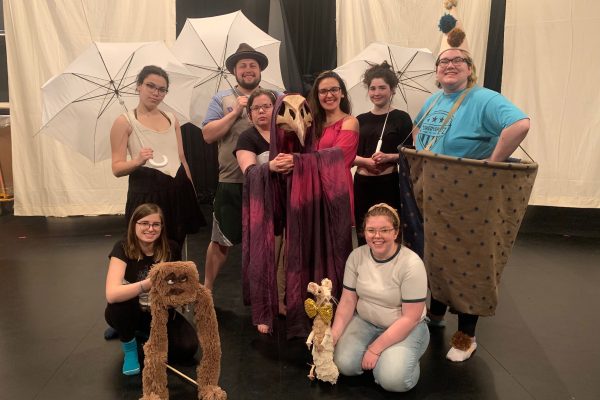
point(227, 214)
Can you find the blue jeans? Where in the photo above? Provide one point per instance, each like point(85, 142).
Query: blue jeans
point(397, 369)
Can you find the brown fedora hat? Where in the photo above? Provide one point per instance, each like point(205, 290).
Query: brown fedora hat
point(245, 51)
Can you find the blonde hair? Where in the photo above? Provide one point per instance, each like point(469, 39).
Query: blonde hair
point(471, 79)
point(385, 210)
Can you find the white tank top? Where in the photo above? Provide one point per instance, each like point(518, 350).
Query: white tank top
point(162, 142)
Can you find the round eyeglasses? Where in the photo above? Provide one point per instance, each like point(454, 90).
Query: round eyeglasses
point(147, 225)
point(332, 90)
point(455, 61)
point(263, 107)
point(382, 231)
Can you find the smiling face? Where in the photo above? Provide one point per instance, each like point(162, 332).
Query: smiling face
point(330, 94)
point(153, 90)
point(149, 228)
point(247, 73)
point(381, 236)
point(380, 92)
point(261, 111)
point(453, 76)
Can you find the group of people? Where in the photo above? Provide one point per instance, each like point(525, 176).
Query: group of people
point(381, 321)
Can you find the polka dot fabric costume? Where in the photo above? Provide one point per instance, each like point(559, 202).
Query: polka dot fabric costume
point(472, 211)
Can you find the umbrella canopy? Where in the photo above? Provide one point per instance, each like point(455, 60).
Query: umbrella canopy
point(205, 43)
point(81, 104)
point(414, 67)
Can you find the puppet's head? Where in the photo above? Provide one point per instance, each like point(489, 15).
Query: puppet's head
point(322, 293)
point(292, 125)
point(175, 283)
point(294, 116)
point(321, 306)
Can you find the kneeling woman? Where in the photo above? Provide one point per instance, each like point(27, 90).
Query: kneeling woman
point(127, 287)
point(379, 323)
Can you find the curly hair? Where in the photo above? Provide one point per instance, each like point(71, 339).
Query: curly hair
point(383, 71)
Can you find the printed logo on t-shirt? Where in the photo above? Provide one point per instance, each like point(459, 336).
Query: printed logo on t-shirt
point(430, 128)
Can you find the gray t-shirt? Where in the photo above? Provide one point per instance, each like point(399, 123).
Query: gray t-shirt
point(222, 104)
point(382, 286)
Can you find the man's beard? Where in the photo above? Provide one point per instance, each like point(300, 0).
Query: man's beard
point(249, 86)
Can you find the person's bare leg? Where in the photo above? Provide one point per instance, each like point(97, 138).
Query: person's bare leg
point(216, 255)
point(262, 328)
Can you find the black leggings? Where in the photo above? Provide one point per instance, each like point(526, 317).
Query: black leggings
point(466, 322)
point(127, 318)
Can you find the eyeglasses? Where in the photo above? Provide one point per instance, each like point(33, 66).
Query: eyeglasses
point(455, 61)
point(264, 107)
point(332, 90)
point(382, 231)
point(147, 225)
point(153, 88)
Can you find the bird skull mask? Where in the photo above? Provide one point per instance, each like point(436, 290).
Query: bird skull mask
point(294, 116)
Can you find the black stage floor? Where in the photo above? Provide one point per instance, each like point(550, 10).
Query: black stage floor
point(542, 344)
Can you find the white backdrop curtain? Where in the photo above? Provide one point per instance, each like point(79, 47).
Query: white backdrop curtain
point(42, 38)
point(408, 23)
point(551, 62)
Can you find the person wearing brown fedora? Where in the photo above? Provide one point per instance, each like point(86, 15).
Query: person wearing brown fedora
point(225, 120)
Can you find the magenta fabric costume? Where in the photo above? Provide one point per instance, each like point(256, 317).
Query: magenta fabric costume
point(347, 141)
point(313, 204)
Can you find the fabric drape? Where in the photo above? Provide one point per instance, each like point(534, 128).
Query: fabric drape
point(409, 23)
point(551, 56)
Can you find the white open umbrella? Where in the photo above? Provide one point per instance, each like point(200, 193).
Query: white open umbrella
point(81, 104)
point(414, 67)
point(205, 43)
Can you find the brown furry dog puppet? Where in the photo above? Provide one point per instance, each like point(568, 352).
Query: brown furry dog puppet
point(320, 337)
point(175, 284)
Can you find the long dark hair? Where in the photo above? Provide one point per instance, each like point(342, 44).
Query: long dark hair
point(133, 249)
point(319, 116)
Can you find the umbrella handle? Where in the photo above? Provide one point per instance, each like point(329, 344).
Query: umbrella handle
point(159, 164)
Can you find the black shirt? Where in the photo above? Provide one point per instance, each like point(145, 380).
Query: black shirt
point(397, 128)
point(137, 270)
point(252, 140)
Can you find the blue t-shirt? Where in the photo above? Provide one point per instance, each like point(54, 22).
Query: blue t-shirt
point(475, 127)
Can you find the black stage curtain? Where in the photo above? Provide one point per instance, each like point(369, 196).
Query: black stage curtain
point(312, 28)
point(495, 49)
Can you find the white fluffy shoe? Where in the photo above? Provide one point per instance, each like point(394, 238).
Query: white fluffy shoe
point(463, 346)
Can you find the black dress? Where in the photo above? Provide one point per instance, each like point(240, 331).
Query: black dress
point(370, 190)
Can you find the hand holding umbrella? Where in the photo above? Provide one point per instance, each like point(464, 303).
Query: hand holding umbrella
point(145, 149)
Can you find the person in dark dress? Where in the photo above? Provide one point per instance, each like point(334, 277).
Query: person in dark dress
point(382, 130)
point(150, 136)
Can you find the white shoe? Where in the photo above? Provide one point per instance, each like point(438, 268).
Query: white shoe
point(457, 355)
